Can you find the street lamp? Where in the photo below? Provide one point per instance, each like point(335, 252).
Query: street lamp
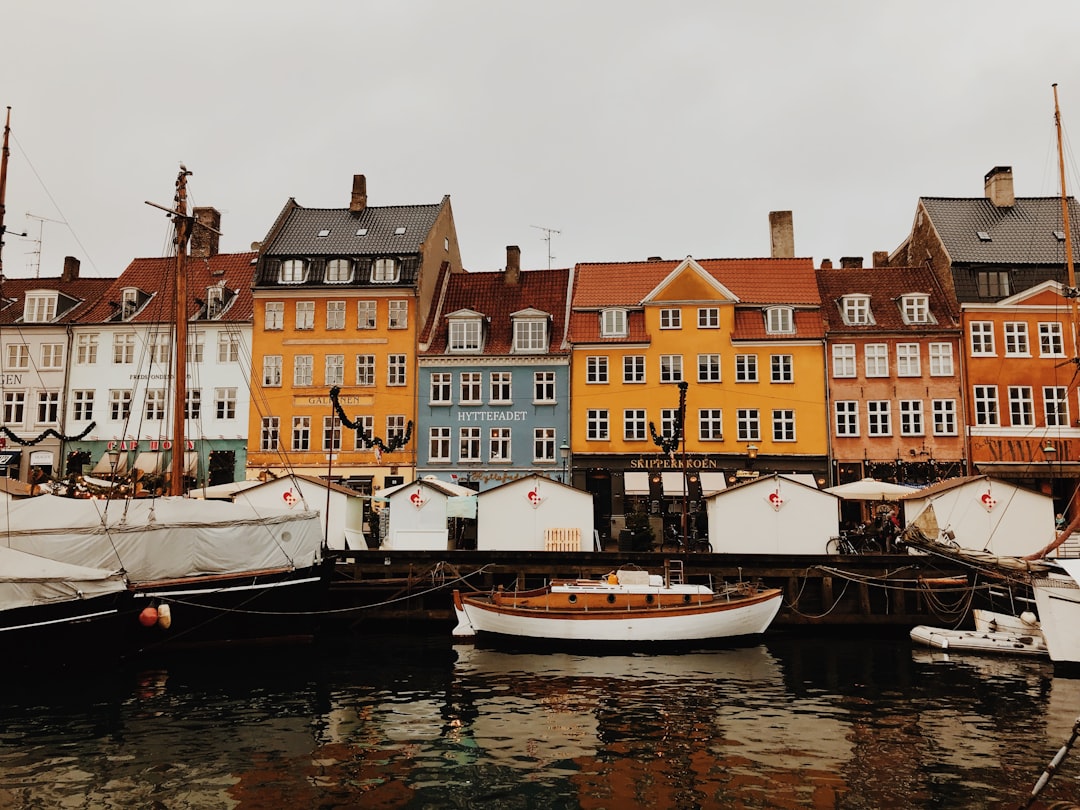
point(114, 459)
point(751, 451)
point(564, 454)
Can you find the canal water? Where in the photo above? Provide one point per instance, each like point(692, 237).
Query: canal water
point(411, 720)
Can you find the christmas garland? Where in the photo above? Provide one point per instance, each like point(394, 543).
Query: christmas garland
point(48, 432)
point(369, 441)
point(669, 444)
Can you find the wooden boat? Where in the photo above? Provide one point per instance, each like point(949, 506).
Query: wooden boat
point(627, 606)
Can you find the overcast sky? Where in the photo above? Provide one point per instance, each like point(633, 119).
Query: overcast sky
point(632, 128)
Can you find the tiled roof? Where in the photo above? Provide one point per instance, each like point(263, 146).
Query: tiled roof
point(1020, 234)
point(884, 286)
point(750, 325)
point(87, 291)
point(490, 295)
point(298, 234)
point(585, 328)
point(155, 276)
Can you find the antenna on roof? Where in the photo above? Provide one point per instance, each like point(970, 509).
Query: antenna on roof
point(548, 232)
point(41, 233)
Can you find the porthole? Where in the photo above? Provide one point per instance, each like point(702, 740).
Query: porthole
point(686, 599)
point(611, 599)
point(648, 599)
point(572, 598)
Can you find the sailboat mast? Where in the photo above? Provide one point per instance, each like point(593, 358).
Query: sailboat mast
point(182, 223)
point(3, 185)
point(1071, 277)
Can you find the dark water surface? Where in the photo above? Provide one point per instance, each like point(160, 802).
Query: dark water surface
point(413, 721)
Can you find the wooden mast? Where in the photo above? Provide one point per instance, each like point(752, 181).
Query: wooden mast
point(1071, 277)
point(182, 223)
point(3, 185)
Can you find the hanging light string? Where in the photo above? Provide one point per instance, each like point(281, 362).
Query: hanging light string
point(396, 442)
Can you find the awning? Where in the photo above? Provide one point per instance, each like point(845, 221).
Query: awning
point(636, 483)
point(191, 463)
point(1032, 469)
point(148, 462)
point(105, 464)
point(673, 483)
point(712, 482)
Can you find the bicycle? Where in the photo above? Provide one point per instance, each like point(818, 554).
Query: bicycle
point(852, 544)
point(675, 542)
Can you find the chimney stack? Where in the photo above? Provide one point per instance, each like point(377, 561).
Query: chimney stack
point(998, 185)
point(881, 258)
point(851, 262)
point(512, 274)
point(71, 270)
point(781, 235)
point(204, 240)
point(826, 264)
point(359, 194)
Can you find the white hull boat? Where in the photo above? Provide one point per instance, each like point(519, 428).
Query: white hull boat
point(1057, 596)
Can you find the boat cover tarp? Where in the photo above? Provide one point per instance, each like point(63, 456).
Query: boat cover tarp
point(162, 538)
point(27, 580)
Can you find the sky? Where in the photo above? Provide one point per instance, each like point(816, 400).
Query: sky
point(578, 130)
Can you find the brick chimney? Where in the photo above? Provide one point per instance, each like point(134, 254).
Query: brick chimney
point(781, 235)
point(512, 274)
point(851, 262)
point(204, 240)
point(826, 264)
point(998, 185)
point(359, 194)
point(71, 270)
point(881, 258)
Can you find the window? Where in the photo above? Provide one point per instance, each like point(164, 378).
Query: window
point(384, 271)
point(52, 355)
point(992, 283)
point(335, 369)
point(123, 349)
point(335, 315)
point(215, 301)
point(396, 370)
point(331, 430)
point(303, 370)
point(982, 337)
point(439, 444)
point(159, 348)
point(225, 403)
point(877, 360)
point(275, 316)
point(195, 347)
point(669, 422)
point(365, 370)
point(748, 424)
point(272, 371)
point(986, 405)
point(1016, 339)
point(365, 426)
point(783, 425)
point(18, 356)
point(782, 368)
point(193, 404)
point(268, 434)
point(1021, 406)
point(671, 368)
point(48, 407)
point(711, 425)
point(634, 425)
point(879, 417)
point(155, 404)
point(1056, 405)
point(440, 389)
point(941, 359)
point(855, 310)
point(596, 424)
point(293, 271)
point(129, 304)
point(119, 405)
point(708, 368)
point(500, 388)
point(746, 368)
point(843, 360)
point(846, 413)
point(596, 369)
point(465, 335)
point(305, 315)
point(944, 417)
point(339, 271)
point(86, 347)
point(633, 368)
point(530, 335)
point(708, 318)
point(779, 320)
point(613, 323)
point(907, 360)
point(14, 408)
point(398, 316)
point(911, 418)
point(82, 405)
point(500, 445)
point(39, 308)
point(365, 314)
point(395, 426)
point(670, 319)
point(469, 444)
point(544, 387)
point(228, 348)
point(470, 382)
point(301, 433)
point(1051, 342)
point(544, 445)
point(915, 308)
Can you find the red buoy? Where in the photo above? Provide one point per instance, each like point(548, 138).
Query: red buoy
point(148, 617)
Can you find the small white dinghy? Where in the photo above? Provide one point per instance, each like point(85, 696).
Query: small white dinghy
point(993, 633)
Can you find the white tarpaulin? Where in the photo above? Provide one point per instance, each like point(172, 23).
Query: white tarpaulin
point(27, 580)
point(870, 489)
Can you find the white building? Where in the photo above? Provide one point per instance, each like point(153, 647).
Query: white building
point(534, 513)
point(418, 514)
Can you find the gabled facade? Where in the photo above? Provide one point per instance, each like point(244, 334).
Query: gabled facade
point(35, 349)
point(895, 353)
point(494, 377)
point(747, 338)
point(340, 296)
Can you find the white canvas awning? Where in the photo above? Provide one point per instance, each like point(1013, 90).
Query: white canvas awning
point(636, 483)
point(105, 464)
point(191, 463)
point(712, 482)
point(870, 489)
point(673, 483)
point(148, 462)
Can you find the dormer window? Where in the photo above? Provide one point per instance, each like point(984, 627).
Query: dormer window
point(465, 335)
point(339, 271)
point(40, 307)
point(855, 310)
point(779, 320)
point(384, 271)
point(215, 301)
point(293, 271)
point(613, 323)
point(130, 300)
point(530, 334)
point(915, 308)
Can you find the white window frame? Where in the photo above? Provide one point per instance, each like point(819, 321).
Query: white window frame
point(843, 361)
point(710, 424)
point(367, 314)
point(274, 317)
point(398, 314)
point(334, 369)
point(876, 358)
point(1021, 405)
point(397, 370)
point(439, 445)
point(635, 425)
point(846, 418)
point(855, 310)
point(1056, 405)
point(941, 359)
point(441, 388)
point(908, 360)
point(469, 444)
point(1016, 339)
point(671, 368)
point(670, 318)
point(385, 271)
point(1051, 339)
point(782, 368)
point(305, 315)
point(944, 416)
point(783, 424)
point(748, 425)
point(981, 337)
point(500, 388)
point(544, 391)
point(986, 406)
point(634, 369)
point(270, 434)
point(471, 388)
point(708, 318)
point(780, 320)
point(335, 315)
point(303, 370)
point(614, 323)
point(746, 368)
point(597, 425)
point(912, 418)
point(499, 446)
point(301, 434)
point(272, 366)
point(366, 370)
point(915, 308)
point(596, 369)
point(878, 417)
point(708, 366)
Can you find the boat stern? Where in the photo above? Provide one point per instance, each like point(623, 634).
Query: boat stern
point(464, 628)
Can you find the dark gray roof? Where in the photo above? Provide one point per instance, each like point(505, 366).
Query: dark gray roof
point(299, 235)
point(1020, 234)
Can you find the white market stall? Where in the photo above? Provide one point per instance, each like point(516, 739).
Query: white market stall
point(419, 511)
point(534, 513)
point(343, 529)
